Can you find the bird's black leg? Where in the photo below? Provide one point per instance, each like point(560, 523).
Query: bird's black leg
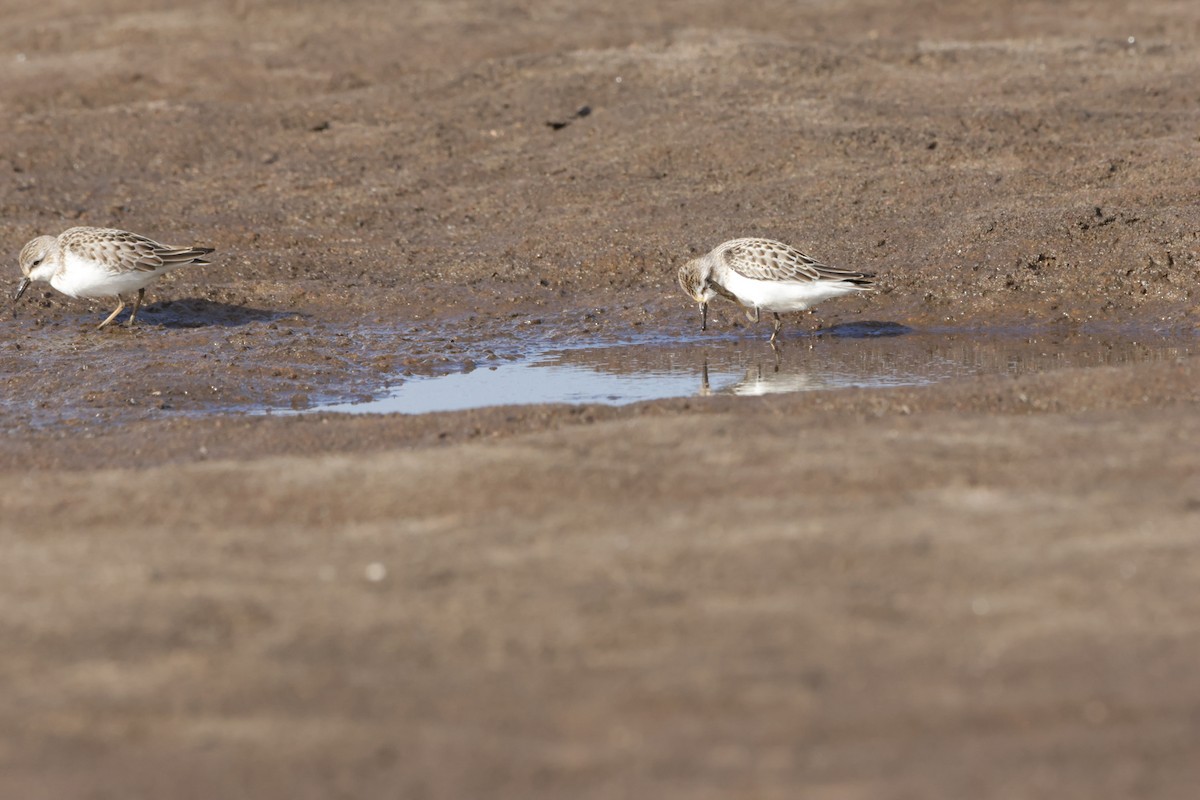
point(137, 303)
point(113, 315)
point(775, 329)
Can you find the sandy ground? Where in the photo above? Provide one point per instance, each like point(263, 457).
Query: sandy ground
point(980, 588)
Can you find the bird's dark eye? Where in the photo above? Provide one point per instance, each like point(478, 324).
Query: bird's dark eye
point(35, 263)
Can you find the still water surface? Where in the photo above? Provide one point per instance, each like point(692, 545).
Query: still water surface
point(617, 375)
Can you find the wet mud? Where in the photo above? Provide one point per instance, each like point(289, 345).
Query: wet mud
point(859, 355)
point(978, 586)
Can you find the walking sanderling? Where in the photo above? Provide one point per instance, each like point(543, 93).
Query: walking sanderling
point(102, 262)
point(765, 275)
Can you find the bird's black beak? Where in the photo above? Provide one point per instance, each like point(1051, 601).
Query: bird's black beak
point(21, 289)
point(703, 315)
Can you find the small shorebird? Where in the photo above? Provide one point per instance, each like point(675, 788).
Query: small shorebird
point(765, 275)
point(102, 262)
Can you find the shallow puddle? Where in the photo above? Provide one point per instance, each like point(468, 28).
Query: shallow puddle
point(851, 356)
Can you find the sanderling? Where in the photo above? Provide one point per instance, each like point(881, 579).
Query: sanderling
point(765, 275)
point(102, 262)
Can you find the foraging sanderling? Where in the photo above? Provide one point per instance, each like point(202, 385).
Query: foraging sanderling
point(102, 262)
point(765, 275)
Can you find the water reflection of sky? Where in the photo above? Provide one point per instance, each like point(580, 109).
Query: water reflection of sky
point(629, 374)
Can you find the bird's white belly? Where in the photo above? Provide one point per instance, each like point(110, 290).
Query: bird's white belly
point(784, 295)
point(82, 278)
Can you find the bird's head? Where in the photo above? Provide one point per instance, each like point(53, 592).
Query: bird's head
point(694, 280)
point(35, 262)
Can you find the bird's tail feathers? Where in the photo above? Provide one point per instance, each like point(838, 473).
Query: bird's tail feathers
point(187, 255)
